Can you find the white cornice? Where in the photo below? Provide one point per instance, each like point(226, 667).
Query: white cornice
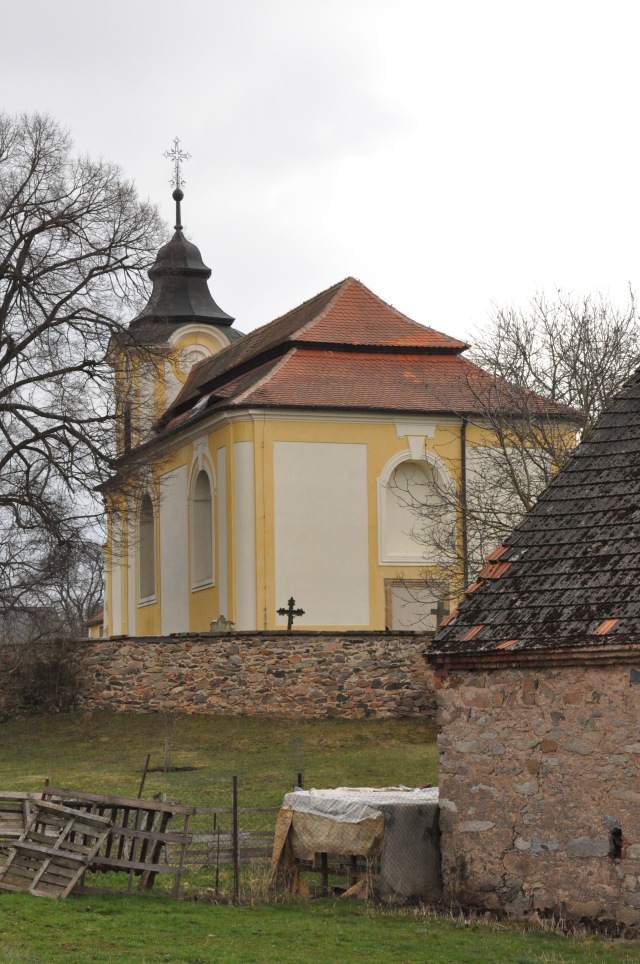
point(347, 415)
point(184, 436)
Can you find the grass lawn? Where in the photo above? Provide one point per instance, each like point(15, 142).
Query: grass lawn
point(116, 929)
point(106, 753)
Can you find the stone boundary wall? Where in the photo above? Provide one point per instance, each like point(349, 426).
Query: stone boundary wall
point(538, 768)
point(315, 674)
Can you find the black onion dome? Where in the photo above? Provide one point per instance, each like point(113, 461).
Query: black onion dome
point(178, 256)
point(180, 292)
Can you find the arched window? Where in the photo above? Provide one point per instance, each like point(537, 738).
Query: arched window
point(417, 509)
point(202, 532)
point(147, 550)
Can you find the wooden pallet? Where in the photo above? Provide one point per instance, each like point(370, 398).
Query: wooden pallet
point(55, 849)
point(15, 810)
point(139, 842)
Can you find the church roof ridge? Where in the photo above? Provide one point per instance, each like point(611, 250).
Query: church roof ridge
point(441, 339)
point(345, 316)
point(572, 565)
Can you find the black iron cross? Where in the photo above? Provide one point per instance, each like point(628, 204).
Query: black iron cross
point(290, 612)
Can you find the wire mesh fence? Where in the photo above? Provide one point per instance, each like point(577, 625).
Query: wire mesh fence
point(251, 839)
point(356, 842)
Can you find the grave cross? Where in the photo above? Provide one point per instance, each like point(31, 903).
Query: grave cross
point(290, 612)
point(439, 611)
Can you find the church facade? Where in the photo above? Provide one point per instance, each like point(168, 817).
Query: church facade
point(285, 463)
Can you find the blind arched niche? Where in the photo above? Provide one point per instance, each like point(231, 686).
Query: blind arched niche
point(202, 531)
point(147, 550)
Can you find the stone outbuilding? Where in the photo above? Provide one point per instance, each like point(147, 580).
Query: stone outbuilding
point(538, 678)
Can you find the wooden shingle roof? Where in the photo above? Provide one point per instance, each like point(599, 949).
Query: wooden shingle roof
point(569, 575)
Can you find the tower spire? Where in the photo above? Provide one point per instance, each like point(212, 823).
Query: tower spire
point(176, 156)
point(180, 293)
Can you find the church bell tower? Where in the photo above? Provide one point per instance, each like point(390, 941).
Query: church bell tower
point(180, 325)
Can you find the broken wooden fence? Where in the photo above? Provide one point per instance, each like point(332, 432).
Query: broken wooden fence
point(139, 839)
point(151, 837)
point(222, 836)
point(54, 850)
point(15, 810)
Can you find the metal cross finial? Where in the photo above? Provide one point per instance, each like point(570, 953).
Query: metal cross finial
point(177, 157)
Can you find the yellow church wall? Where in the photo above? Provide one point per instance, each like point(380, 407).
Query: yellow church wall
point(382, 444)
point(442, 441)
point(203, 602)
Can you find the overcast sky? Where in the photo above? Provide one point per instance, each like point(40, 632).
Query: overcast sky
point(448, 154)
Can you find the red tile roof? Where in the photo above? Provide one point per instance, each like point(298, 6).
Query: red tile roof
point(497, 553)
point(347, 314)
point(96, 619)
point(343, 349)
point(356, 316)
point(331, 379)
point(493, 570)
point(473, 632)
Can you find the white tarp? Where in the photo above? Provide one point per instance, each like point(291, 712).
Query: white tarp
point(354, 804)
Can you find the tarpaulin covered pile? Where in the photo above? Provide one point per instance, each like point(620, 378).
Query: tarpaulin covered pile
point(396, 824)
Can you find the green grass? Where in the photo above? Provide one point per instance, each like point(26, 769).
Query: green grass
point(106, 753)
point(114, 930)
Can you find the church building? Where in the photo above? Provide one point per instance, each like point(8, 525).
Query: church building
point(282, 464)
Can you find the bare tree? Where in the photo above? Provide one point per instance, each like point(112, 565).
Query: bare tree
point(575, 351)
point(541, 378)
point(74, 240)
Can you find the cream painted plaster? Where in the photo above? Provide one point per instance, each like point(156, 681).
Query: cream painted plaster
point(131, 574)
point(189, 345)
point(174, 552)
point(245, 535)
point(412, 608)
point(406, 535)
point(116, 578)
point(320, 519)
point(172, 384)
point(146, 396)
point(201, 462)
point(222, 531)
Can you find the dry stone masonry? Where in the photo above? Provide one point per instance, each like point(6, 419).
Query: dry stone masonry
point(540, 790)
point(280, 674)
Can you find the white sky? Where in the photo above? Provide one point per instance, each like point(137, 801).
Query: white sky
point(448, 154)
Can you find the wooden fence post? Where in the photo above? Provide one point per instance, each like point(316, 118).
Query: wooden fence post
point(144, 776)
point(236, 843)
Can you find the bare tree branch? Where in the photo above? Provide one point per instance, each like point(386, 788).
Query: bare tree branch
point(574, 353)
point(74, 242)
